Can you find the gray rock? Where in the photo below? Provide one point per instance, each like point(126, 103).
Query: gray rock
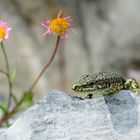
point(62, 117)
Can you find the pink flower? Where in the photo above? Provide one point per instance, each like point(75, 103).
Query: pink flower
point(4, 30)
point(59, 25)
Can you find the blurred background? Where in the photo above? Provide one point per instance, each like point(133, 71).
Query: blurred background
point(107, 39)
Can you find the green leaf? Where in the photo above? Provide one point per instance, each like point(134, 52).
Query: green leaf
point(28, 99)
point(14, 98)
point(13, 75)
point(3, 107)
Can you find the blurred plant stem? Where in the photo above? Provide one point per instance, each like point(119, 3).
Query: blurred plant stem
point(47, 65)
point(6, 116)
point(7, 73)
point(4, 72)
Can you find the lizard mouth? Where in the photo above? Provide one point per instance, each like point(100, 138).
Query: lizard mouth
point(75, 87)
point(83, 88)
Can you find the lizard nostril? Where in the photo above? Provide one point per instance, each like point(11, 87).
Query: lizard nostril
point(75, 87)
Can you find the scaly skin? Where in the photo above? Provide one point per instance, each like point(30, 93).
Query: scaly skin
point(104, 83)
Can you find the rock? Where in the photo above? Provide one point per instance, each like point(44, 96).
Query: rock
point(62, 117)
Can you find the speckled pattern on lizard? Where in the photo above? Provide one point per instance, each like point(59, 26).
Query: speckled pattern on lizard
point(104, 83)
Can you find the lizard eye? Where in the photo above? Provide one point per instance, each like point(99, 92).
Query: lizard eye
point(91, 84)
point(84, 86)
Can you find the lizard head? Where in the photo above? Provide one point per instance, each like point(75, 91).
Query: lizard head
point(84, 84)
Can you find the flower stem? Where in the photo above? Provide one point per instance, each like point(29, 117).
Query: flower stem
point(4, 72)
point(7, 74)
point(9, 114)
point(47, 65)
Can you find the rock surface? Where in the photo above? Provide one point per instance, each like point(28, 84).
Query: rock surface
point(61, 117)
point(108, 39)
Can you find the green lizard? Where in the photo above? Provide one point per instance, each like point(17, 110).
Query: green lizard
point(104, 83)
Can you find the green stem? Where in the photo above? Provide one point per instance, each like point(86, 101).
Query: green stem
point(8, 74)
point(46, 66)
point(9, 114)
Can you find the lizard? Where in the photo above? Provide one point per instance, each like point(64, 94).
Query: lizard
point(104, 83)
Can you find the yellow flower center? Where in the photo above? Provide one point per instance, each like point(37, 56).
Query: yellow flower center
point(59, 26)
point(2, 33)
